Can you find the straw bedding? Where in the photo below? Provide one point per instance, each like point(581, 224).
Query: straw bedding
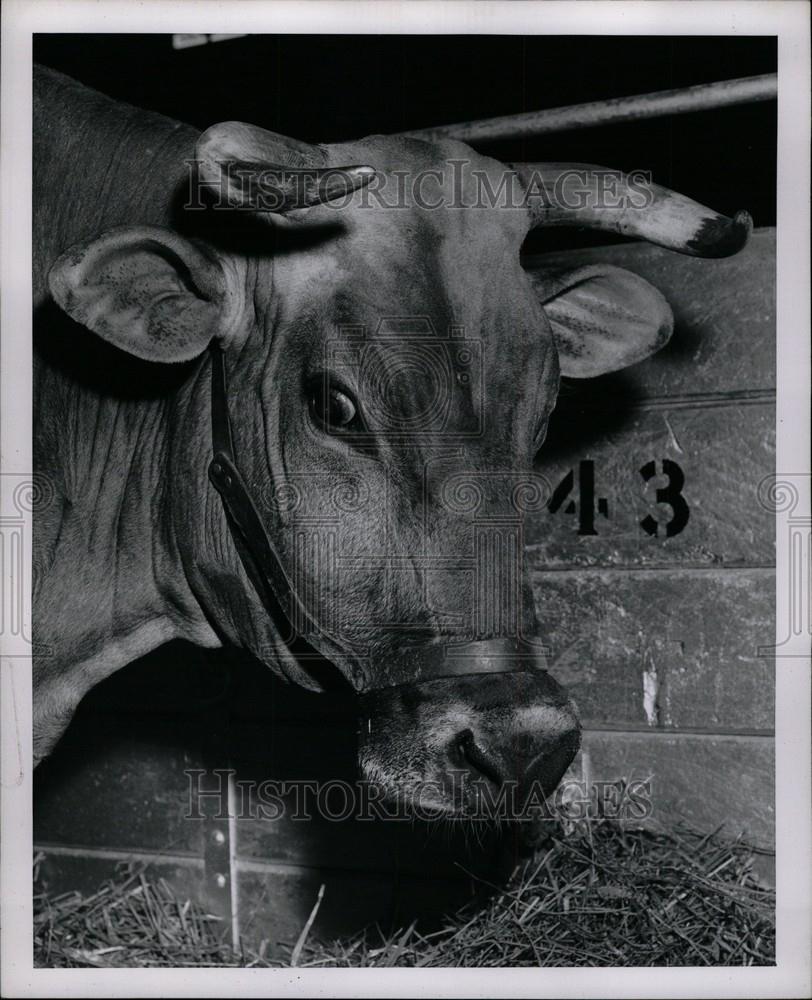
point(598, 896)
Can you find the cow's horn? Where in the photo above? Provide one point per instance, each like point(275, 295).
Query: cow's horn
point(582, 194)
point(251, 168)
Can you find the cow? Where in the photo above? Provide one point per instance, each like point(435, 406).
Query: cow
point(288, 397)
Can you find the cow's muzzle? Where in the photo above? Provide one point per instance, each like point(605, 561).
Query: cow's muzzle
point(480, 745)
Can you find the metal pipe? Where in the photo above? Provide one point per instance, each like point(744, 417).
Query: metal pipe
point(702, 97)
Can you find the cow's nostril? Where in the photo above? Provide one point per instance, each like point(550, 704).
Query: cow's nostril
point(477, 759)
point(551, 767)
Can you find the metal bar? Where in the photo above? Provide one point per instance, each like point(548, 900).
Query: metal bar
point(702, 97)
point(215, 800)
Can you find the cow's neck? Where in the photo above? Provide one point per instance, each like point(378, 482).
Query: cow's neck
point(110, 585)
point(134, 544)
point(109, 581)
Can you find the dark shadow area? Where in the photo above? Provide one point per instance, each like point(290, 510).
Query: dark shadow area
point(93, 363)
point(586, 411)
point(118, 780)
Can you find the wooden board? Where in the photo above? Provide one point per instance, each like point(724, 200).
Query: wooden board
point(119, 783)
point(701, 782)
point(666, 648)
point(722, 454)
point(68, 870)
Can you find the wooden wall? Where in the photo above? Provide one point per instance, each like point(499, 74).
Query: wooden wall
point(658, 637)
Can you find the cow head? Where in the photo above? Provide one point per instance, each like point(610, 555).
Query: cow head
point(391, 372)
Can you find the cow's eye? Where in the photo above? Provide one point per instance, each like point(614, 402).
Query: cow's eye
point(332, 407)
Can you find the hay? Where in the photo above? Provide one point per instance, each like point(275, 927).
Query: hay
point(131, 922)
point(600, 896)
point(603, 898)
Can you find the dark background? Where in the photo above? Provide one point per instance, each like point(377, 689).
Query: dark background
point(326, 88)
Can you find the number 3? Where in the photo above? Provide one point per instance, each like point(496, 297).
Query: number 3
point(671, 495)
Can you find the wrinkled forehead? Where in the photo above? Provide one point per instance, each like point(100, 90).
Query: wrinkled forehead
point(443, 186)
point(437, 232)
point(413, 298)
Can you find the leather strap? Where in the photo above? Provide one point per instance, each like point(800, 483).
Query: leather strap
point(410, 665)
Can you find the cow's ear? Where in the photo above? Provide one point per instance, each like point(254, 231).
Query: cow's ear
point(145, 289)
point(604, 318)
